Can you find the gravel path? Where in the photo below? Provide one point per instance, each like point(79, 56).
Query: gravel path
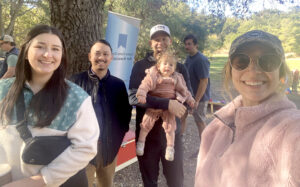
point(130, 176)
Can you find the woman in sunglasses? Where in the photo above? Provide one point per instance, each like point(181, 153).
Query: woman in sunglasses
point(255, 139)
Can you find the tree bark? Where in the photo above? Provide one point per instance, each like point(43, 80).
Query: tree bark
point(15, 7)
point(80, 21)
point(1, 21)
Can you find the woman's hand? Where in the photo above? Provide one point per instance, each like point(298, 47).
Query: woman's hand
point(33, 181)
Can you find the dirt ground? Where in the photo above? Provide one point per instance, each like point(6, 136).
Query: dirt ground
point(130, 176)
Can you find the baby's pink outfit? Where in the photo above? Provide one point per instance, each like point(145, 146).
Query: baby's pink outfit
point(173, 87)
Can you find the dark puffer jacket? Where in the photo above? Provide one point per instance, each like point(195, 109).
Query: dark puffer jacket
point(3, 65)
point(110, 101)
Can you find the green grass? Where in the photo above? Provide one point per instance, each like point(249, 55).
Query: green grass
point(293, 63)
point(216, 66)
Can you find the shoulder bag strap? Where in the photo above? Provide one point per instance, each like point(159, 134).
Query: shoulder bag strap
point(22, 128)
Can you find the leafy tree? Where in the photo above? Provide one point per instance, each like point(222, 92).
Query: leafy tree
point(18, 16)
point(229, 31)
point(149, 11)
point(80, 21)
point(83, 22)
point(11, 10)
point(213, 44)
point(239, 8)
point(176, 14)
point(285, 25)
point(35, 15)
point(295, 30)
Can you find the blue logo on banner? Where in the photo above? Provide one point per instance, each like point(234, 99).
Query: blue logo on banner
point(122, 40)
point(122, 34)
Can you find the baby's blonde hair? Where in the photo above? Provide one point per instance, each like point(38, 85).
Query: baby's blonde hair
point(167, 55)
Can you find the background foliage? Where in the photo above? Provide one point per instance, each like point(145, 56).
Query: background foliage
point(213, 29)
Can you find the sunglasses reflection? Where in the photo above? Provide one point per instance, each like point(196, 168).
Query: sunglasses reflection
point(266, 62)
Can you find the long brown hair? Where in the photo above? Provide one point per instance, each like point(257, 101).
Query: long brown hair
point(47, 103)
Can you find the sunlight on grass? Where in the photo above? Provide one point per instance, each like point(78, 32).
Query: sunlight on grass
point(216, 66)
point(293, 63)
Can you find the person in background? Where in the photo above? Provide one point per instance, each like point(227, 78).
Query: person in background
point(110, 102)
point(162, 81)
point(198, 67)
point(8, 45)
point(255, 139)
point(295, 81)
point(154, 151)
point(53, 107)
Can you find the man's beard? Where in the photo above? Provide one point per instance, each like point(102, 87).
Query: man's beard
point(101, 69)
point(99, 65)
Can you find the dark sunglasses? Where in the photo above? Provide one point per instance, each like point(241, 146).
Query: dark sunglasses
point(266, 62)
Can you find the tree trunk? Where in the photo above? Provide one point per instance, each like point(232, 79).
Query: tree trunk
point(1, 21)
point(15, 7)
point(80, 21)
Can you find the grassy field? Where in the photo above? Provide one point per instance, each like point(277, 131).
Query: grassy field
point(216, 67)
point(293, 63)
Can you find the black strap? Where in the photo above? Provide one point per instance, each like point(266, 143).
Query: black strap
point(22, 128)
point(20, 107)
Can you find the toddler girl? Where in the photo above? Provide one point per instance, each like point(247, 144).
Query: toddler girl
point(161, 80)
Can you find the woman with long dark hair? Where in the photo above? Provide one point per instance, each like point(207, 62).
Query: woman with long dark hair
point(52, 106)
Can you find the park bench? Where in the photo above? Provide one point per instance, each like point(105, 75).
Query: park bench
point(213, 106)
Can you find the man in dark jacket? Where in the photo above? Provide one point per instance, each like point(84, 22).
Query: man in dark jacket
point(155, 144)
point(8, 66)
point(110, 101)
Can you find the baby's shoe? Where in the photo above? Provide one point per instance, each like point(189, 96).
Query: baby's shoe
point(169, 153)
point(140, 148)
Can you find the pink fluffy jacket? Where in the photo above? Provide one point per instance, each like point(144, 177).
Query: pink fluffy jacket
point(172, 87)
point(253, 146)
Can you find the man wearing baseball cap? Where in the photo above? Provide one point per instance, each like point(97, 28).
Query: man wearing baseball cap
point(7, 67)
point(154, 151)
